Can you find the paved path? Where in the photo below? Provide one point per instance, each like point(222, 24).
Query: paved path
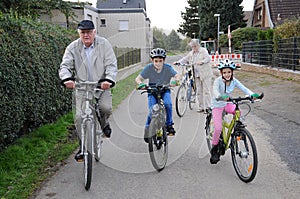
point(126, 171)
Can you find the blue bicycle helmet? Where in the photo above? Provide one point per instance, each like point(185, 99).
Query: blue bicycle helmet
point(158, 52)
point(226, 64)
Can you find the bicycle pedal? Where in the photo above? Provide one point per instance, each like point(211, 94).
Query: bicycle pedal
point(79, 160)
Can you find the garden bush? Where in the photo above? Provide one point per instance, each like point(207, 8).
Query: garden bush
point(30, 91)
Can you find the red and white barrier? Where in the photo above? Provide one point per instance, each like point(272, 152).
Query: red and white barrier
point(235, 58)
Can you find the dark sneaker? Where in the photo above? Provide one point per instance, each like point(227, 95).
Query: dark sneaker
point(107, 131)
point(146, 134)
point(171, 131)
point(79, 156)
point(215, 156)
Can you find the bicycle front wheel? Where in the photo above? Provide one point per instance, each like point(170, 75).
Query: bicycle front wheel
point(158, 145)
point(98, 140)
point(244, 155)
point(181, 100)
point(209, 129)
point(88, 157)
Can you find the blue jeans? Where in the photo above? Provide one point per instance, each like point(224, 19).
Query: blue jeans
point(168, 106)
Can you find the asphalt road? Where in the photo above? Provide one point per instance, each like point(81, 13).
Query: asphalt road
point(126, 171)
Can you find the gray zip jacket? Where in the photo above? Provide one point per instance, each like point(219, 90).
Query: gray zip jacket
point(103, 61)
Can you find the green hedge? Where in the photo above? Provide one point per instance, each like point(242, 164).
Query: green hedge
point(30, 91)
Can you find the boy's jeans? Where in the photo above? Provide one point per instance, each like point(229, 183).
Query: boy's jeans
point(168, 106)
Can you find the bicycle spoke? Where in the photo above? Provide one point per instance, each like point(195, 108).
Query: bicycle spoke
point(244, 155)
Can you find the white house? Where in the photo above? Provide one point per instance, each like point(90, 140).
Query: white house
point(124, 23)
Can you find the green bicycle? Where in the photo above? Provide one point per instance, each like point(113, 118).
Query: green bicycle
point(157, 136)
point(236, 137)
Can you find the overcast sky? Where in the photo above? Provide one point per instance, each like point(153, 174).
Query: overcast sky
point(166, 14)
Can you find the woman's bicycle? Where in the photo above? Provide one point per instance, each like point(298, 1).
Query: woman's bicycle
point(236, 137)
point(186, 93)
point(91, 131)
point(157, 134)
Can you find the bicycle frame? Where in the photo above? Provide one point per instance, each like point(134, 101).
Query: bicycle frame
point(227, 128)
point(88, 115)
point(189, 77)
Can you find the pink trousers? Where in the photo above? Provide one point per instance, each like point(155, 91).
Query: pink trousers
point(217, 118)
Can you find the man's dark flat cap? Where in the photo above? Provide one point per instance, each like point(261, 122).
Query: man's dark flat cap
point(86, 25)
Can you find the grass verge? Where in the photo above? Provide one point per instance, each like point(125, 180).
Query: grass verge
point(34, 157)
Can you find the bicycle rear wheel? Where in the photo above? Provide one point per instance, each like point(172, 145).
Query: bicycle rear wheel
point(209, 129)
point(244, 155)
point(88, 157)
point(181, 100)
point(158, 145)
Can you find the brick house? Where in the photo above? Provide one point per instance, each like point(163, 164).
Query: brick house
point(269, 13)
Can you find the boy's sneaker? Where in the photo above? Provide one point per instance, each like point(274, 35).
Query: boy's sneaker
point(170, 130)
point(79, 156)
point(215, 156)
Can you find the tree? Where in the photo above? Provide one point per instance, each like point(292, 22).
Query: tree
point(191, 20)
point(173, 41)
point(159, 38)
point(231, 13)
point(33, 8)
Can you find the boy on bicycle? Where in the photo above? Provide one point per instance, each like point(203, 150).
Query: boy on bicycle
point(158, 72)
point(222, 88)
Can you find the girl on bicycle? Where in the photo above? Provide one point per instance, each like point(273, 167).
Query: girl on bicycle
point(158, 72)
point(222, 88)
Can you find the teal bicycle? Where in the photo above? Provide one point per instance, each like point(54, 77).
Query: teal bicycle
point(186, 93)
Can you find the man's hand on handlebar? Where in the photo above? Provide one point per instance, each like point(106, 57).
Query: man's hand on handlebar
point(69, 84)
point(105, 85)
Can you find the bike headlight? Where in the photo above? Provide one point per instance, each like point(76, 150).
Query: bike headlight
point(155, 107)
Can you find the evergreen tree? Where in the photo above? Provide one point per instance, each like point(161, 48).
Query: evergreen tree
point(191, 20)
point(231, 13)
point(199, 17)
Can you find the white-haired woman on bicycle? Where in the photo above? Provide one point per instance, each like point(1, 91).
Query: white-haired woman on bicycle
point(222, 88)
point(200, 58)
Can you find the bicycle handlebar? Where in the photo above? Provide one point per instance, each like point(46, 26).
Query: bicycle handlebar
point(239, 99)
point(158, 87)
point(88, 82)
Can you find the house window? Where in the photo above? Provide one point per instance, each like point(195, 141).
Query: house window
point(259, 14)
point(123, 25)
point(102, 22)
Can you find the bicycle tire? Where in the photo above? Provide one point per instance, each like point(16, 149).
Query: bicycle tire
point(181, 100)
point(88, 157)
point(209, 130)
point(244, 154)
point(158, 144)
point(88, 161)
point(98, 140)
